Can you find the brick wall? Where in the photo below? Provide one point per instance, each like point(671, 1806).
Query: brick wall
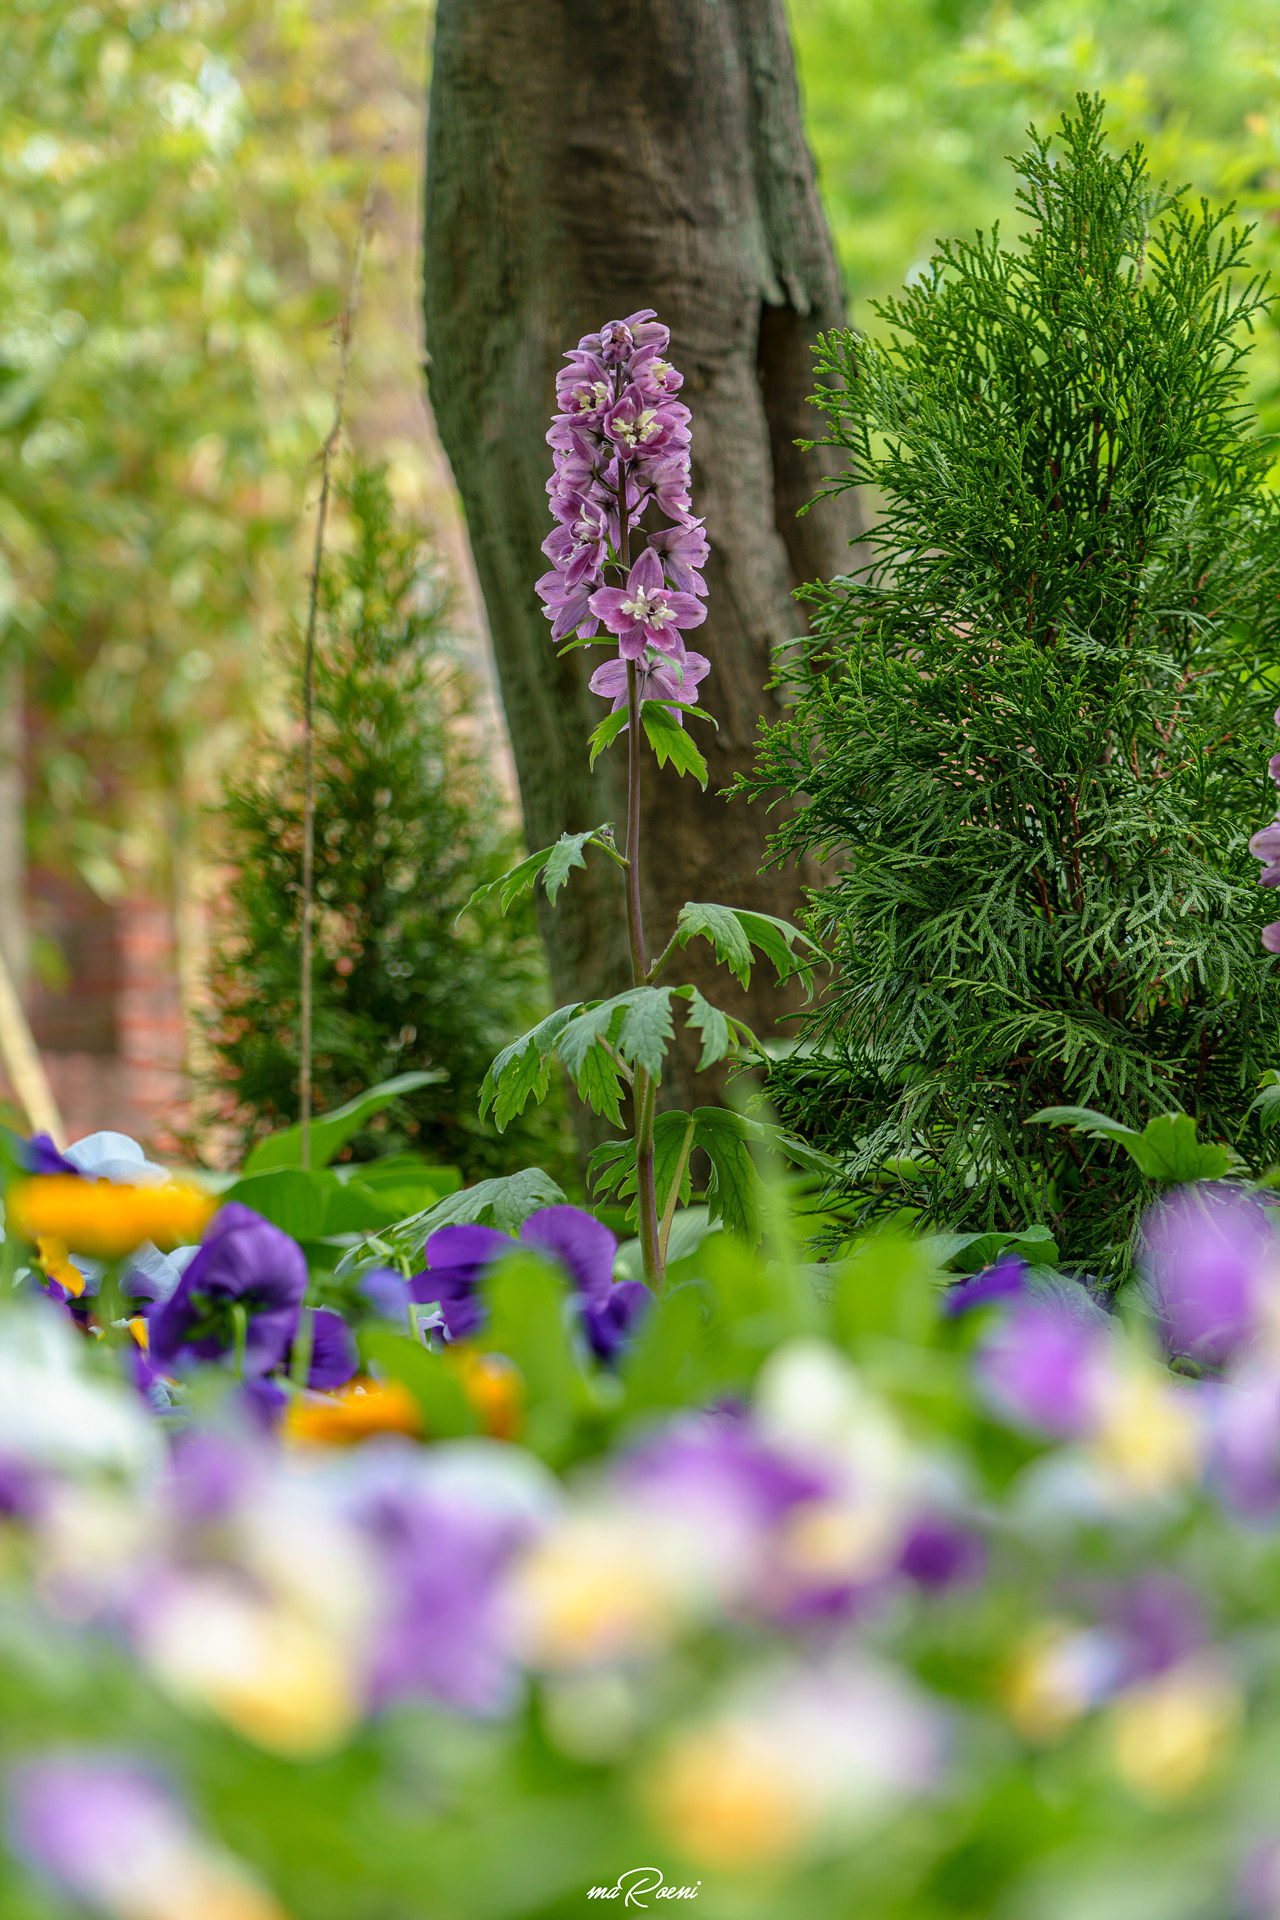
point(110, 1029)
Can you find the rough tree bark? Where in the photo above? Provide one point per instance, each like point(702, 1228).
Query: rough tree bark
point(585, 158)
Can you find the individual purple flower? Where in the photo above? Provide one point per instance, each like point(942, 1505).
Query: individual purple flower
point(683, 550)
point(1265, 846)
point(674, 679)
point(1271, 936)
point(1210, 1259)
point(640, 431)
point(42, 1156)
point(387, 1292)
point(939, 1552)
point(579, 548)
point(568, 609)
point(646, 613)
point(105, 1831)
point(1243, 1455)
point(445, 1529)
point(334, 1358)
point(1039, 1368)
point(243, 1261)
point(586, 1249)
point(456, 1258)
point(1006, 1279)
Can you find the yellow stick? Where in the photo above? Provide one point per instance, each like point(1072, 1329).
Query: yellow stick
point(23, 1064)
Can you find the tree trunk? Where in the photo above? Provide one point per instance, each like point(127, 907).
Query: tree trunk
point(585, 158)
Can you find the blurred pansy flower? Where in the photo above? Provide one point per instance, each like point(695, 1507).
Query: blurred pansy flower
point(111, 1835)
point(1040, 1366)
point(244, 1262)
point(1212, 1265)
point(1167, 1733)
point(105, 1220)
point(1003, 1281)
point(457, 1257)
point(444, 1525)
point(796, 1760)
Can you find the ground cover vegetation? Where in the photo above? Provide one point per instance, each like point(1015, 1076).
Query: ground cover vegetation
point(1029, 733)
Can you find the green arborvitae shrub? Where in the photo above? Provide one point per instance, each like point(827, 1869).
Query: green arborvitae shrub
point(408, 824)
point(1030, 735)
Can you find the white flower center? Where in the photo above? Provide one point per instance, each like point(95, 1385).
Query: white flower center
point(634, 433)
point(659, 372)
point(591, 398)
point(649, 607)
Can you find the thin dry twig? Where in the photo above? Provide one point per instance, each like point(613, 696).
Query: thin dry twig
point(346, 329)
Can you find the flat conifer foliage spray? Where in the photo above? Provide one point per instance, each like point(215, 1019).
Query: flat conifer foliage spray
point(1028, 735)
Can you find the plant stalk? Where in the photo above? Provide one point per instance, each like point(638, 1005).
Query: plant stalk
point(346, 328)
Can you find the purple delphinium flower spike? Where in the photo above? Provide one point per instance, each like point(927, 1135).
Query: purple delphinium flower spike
point(1000, 1282)
point(620, 447)
point(1210, 1257)
point(243, 1260)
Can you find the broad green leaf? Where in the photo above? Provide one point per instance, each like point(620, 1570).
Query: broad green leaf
point(504, 1203)
point(670, 742)
point(523, 1068)
point(1167, 1150)
point(446, 1414)
point(1267, 1104)
point(721, 927)
point(790, 950)
point(595, 1022)
point(599, 1084)
point(1083, 1120)
point(290, 1198)
point(331, 1131)
point(606, 733)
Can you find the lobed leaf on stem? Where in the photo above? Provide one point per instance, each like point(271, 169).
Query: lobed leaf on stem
point(670, 741)
point(554, 863)
point(733, 931)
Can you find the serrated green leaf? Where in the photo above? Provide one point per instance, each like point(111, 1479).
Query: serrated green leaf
point(505, 1203)
point(599, 1084)
point(733, 931)
point(606, 733)
point(733, 1191)
point(670, 742)
point(523, 1068)
point(566, 853)
point(647, 1029)
point(720, 926)
point(721, 1033)
point(612, 1167)
point(595, 1022)
point(556, 859)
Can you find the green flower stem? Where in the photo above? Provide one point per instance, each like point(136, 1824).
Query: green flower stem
point(669, 1211)
point(240, 1321)
point(300, 1364)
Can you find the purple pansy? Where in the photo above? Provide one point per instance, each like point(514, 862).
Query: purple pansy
point(939, 1552)
point(243, 1261)
point(1039, 1367)
point(646, 612)
point(96, 1826)
point(387, 1292)
point(42, 1156)
point(1007, 1278)
point(1210, 1258)
point(663, 679)
point(445, 1529)
point(457, 1257)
